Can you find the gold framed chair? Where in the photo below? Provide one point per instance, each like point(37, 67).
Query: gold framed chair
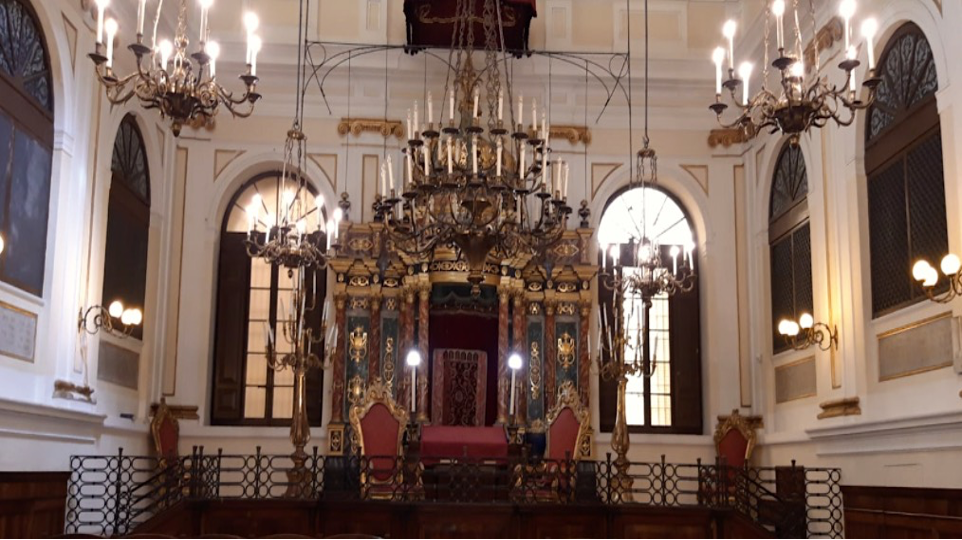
point(569, 440)
point(379, 423)
point(735, 438)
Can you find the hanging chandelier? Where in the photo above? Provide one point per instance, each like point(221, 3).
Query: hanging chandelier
point(475, 180)
point(802, 101)
point(181, 85)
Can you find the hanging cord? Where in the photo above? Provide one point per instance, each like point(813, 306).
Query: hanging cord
point(646, 73)
point(586, 129)
point(631, 141)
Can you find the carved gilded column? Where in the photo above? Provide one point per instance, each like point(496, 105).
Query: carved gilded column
point(584, 362)
point(424, 312)
point(337, 386)
point(406, 316)
point(550, 354)
point(504, 301)
point(374, 344)
point(520, 345)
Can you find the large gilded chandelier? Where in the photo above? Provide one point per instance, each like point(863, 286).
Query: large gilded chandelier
point(180, 84)
point(474, 179)
point(801, 101)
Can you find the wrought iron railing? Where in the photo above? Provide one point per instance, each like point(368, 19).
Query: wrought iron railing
point(113, 495)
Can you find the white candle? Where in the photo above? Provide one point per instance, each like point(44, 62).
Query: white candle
point(450, 146)
point(729, 31)
point(846, 9)
point(745, 73)
point(521, 164)
point(390, 172)
point(477, 97)
point(567, 174)
point(556, 179)
point(417, 124)
point(500, 105)
point(430, 109)
point(534, 115)
point(383, 182)
point(451, 106)
point(213, 51)
point(521, 110)
point(410, 166)
point(778, 9)
point(474, 154)
point(410, 128)
point(141, 8)
point(255, 48)
point(498, 158)
point(204, 10)
point(101, 6)
point(427, 160)
point(851, 54)
point(674, 261)
point(869, 27)
point(110, 27)
point(414, 396)
point(718, 57)
point(514, 373)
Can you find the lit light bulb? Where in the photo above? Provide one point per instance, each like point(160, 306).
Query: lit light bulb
point(301, 226)
point(251, 22)
point(165, 48)
point(514, 361)
point(213, 51)
point(920, 270)
point(338, 215)
point(869, 28)
point(289, 196)
point(136, 317)
point(414, 358)
point(931, 278)
point(783, 327)
point(792, 328)
point(778, 8)
point(846, 9)
point(728, 30)
point(127, 318)
point(798, 69)
point(256, 200)
point(806, 321)
point(745, 74)
point(206, 4)
point(718, 55)
point(116, 309)
point(950, 264)
point(674, 251)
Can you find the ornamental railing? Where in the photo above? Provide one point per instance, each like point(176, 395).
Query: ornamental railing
point(113, 495)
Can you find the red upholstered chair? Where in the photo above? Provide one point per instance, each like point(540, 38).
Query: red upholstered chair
point(734, 443)
point(569, 436)
point(378, 423)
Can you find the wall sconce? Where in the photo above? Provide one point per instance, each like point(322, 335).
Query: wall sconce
point(98, 317)
point(928, 277)
point(806, 332)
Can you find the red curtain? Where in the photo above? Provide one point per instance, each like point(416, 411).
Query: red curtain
point(468, 331)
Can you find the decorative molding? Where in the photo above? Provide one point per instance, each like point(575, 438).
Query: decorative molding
point(223, 158)
point(327, 163)
point(727, 137)
point(9, 406)
point(700, 174)
point(573, 134)
point(178, 412)
point(827, 36)
point(840, 407)
point(18, 332)
point(357, 126)
point(600, 172)
point(71, 32)
point(68, 390)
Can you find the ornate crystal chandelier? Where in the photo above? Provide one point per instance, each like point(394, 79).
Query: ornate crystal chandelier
point(474, 180)
point(802, 101)
point(180, 84)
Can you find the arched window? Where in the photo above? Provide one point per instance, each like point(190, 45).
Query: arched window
point(670, 400)
point(790, 241)
point(903, 161)
point(250, 294)
point(128, 221)
point(26, 146)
